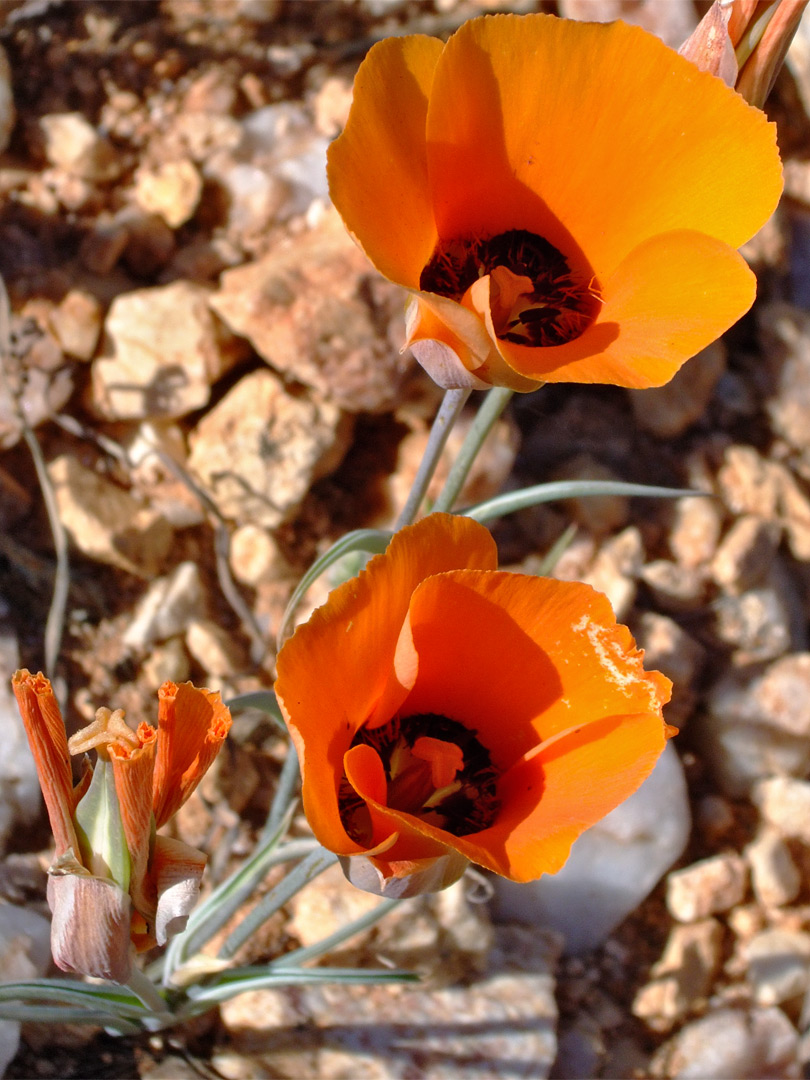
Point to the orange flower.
(113, 882)
(445, 712)
(562, 199)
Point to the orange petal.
(455, 343)
(670, 298)
(133, 771)
(594, 136)
(549, 800)
(339, 667)
(414, 843)
(192, 726)
(46, 737)
(377, 168)
(519, 659)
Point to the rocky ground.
(210, 373)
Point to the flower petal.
(90, 925)
(519, 659)
(133, 771)
(192, 726)
(455, 343)
(374, 875)
(671, 297)
(551, 798)
(45, 729)
(177, 870)
(377, 168)
(337, 668)
(594, 136)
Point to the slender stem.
(146, 992)
(492, 407)
(449, 411)
(285, 792)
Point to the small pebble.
(706, 887)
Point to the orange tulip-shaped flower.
(564, 200)
(114, 883)
(445, 712)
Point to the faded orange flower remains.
(114, 884)
(446, 712)
(562, 199)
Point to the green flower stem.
(449, 412)
(285, 793)
(492, 407)
(147, 993)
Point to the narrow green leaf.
(374, 541)
(315, 863)
(212, 914)
(264, 700)
(511, 501)
(356, 926)
(241, 980)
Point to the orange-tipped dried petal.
(192, 726)
(133, 770)
(46, 737)
(338, 670)
(90, 925)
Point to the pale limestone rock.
(681, 980)
(706, 887)
(164, 349)
(105, 522)
(167, 607)
(784, 803)
(756, 623)
(676, 588)
(667, 411)
(748, 483)
(615, 569)
(76, 322)
(302, 308)
(258, 451)
(212, 648)
(167, 662)
(73, 144)
(744, 557)
(255, 557)
(172, 190)
(731, 1044)
(778, 965)
(668, 648)
(695, 530)
(155, 448)
(775, 878)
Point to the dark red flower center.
(539, 301)
(436, 769)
